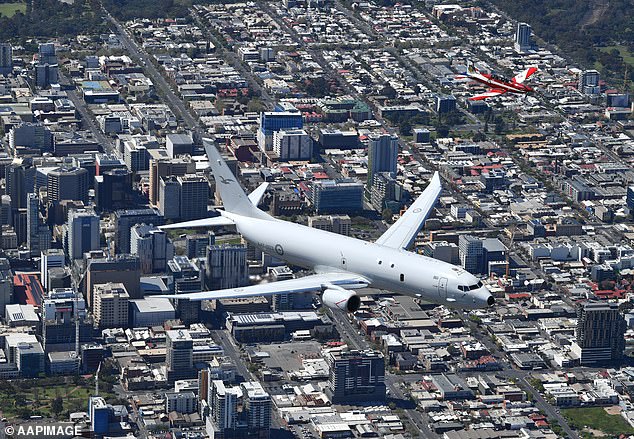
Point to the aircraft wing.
(315, 282)
(216, 221)
(524, 75)
(489, 94)
(404, 231)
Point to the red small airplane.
(498, 85)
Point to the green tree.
(387, 215)
(57, 406)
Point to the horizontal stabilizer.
(256, 196)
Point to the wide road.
(162, 87)
(87, 118)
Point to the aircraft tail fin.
(524, 75)
(234, 199)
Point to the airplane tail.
(524, 75)
(234, 199)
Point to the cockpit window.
(470, 287)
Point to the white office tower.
(292, 145)
(152, 247)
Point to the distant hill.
(596, 33)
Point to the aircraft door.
(442, 287)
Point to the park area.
(54, 397)
(10, 9)
(596, 422)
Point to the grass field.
(596, 418)
(17, 399)
(10, 9)
(628, 56)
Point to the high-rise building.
(6, 285)
(196, 245)
(223, 403)
(337, 196)
(356, 377)
(471, 253)
(257, 407)
(386, 192)
(272, 121)
(445, 104)
(67, 183)
(31, 136)
(169, 194)
(382, 155)
(187, 279)
(523, 39)
(38, 233)
(46, 69)
(194, 197)
(589, 82)
(630, 199)
(111, 305)
(136, 157)
(20, 180)
(600, 333)
(125, 219)
(179, 357)
(113, 189)
(179, 144)
(152, 247)
(6, 58)
(99, 416)
(47, 53)
(60, 308)
(103, 269)
(443, 251)
(46, 75)
(162, 166)
(339, 224)
(50, 258)
(227, 266)
(107, 162)
(82, 234)
(292, 145)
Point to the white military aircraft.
(341, 264)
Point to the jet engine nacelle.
(342, 299)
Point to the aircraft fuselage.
(393, 270)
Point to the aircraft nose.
(483, 297)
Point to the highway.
(162, 87)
